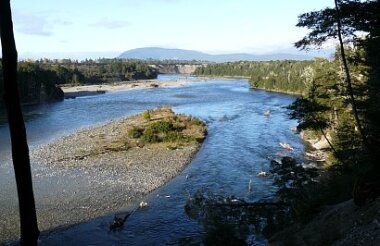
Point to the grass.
(160, 128)
(164, 126)
(146, 115)
(135, 132)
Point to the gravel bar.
(74, 184)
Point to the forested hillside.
(38, 80)
(342, 104)
(283, 76)
(97, 71)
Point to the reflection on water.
(240, 143)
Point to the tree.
(354, 23)
(328, 24)
(20, 151)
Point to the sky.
(92, 28)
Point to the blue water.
(240, 143)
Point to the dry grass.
(184, 130)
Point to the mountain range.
(157, 53)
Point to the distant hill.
(157, 53)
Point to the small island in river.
(117, 164)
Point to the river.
(240, 143)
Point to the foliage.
(135, 132)
(166, 130)
(97, 71)
(41, 77)
(164, 126)
(149, 136)
(163, 131)
(346, 106)
(35, 84)
(197, 121)
(351, 148)
(146, 115)
(355, 16)
(285, 76)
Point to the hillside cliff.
(176, 68)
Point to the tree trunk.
(349, 82)
(20, 151)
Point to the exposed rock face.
(320, 146)
(187, 69)
(176, 68)
(319, 143)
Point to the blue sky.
(79, 28)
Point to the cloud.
(33, 24)
(110, 24)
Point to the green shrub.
(172, 137)
(149, 136)
(146, 115)
(161, 126)
(168, 130)
(197, 121)
(135, 132)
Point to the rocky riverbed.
(101, 170)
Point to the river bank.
(207, 77)
(90, 90)
(279, 91)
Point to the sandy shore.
(89, 90)
(75, 180)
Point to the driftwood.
(118, 222)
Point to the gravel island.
(102, 170)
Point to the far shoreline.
(71, 92)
